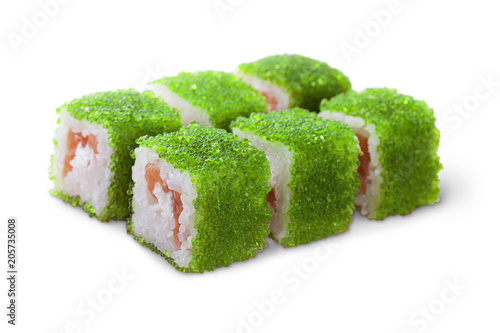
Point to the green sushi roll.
(313, 173)
(91, 164)
(292, 80)
(209, 98)
(399, 165)
(199, 198)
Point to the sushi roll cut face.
(210, 98)
(313, 181)
(291, 80)
(399, 164)
(91, 162)
(199, 198)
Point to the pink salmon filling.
(153, 177)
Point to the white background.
(379, 275)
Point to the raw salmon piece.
(271, 101)
(153, 177)
(364, 163)
(271, 199)
(73, 140)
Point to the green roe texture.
(408, 146)
(307, 81)
(126, 115)
(231, 180)
(324, 181)
(223, 96)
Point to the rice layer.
(153, 218)
(188, 112)
(367, 201)
(280, 159)
(90, 176)
(276, 97)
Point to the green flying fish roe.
(307, 81)
(408, 146)
(126, 115)
(223, 96)
(231, 180)
(324, 181)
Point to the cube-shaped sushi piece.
(313, 173)
(210, 98)
(399, 140)
(91, 164)
(291, 80)
(199, 198)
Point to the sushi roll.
(210, 98)
(91, 164)
(291, 80)
(399, 141)
(313, 181)
(199, 198)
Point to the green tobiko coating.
(126, 115)
(324, 181)
(408, 146)
(231, 180)
(223, 96)
(307, 81)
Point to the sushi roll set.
(206, 165)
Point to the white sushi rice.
(90, 177)
(367, 202)
(270, 89)
(153, 218)
(188, 112)
(280, 159)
